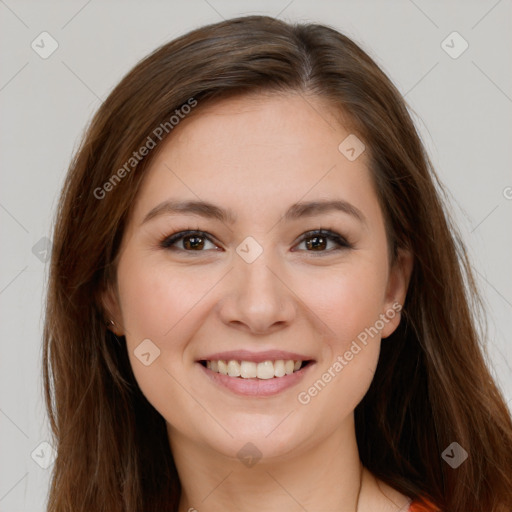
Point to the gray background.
(462, 106)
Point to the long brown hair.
(431, 387)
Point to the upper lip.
(257, 357)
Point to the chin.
(265, 438)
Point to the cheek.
(340, 384)
(348, 300)
(161, 304)
(349, 303)
(156, 298)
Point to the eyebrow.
(209, 210)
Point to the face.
(222, 260)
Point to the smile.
(252, 370)
(255, 379)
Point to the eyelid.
(341, 241)
(168, 241)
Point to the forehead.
(260, 128)
(258, 150)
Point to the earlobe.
(112, 312)
(396, 292)
(112, 326)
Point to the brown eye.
(191, 241)
(318, 241)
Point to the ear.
(396, 291)
(112, 310)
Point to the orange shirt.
(422, 505)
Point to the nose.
(257, 298)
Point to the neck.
(325, 476)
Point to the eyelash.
(343, 244)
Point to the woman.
(256, 298)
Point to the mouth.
(255, 375)
(264, 370)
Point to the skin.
(257, 155)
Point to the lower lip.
(257, 387)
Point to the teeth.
(233, 369)
(223, 367)
(265, 370)
(248, 370)
(252, 370)
(279, 368)
(288, 367)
